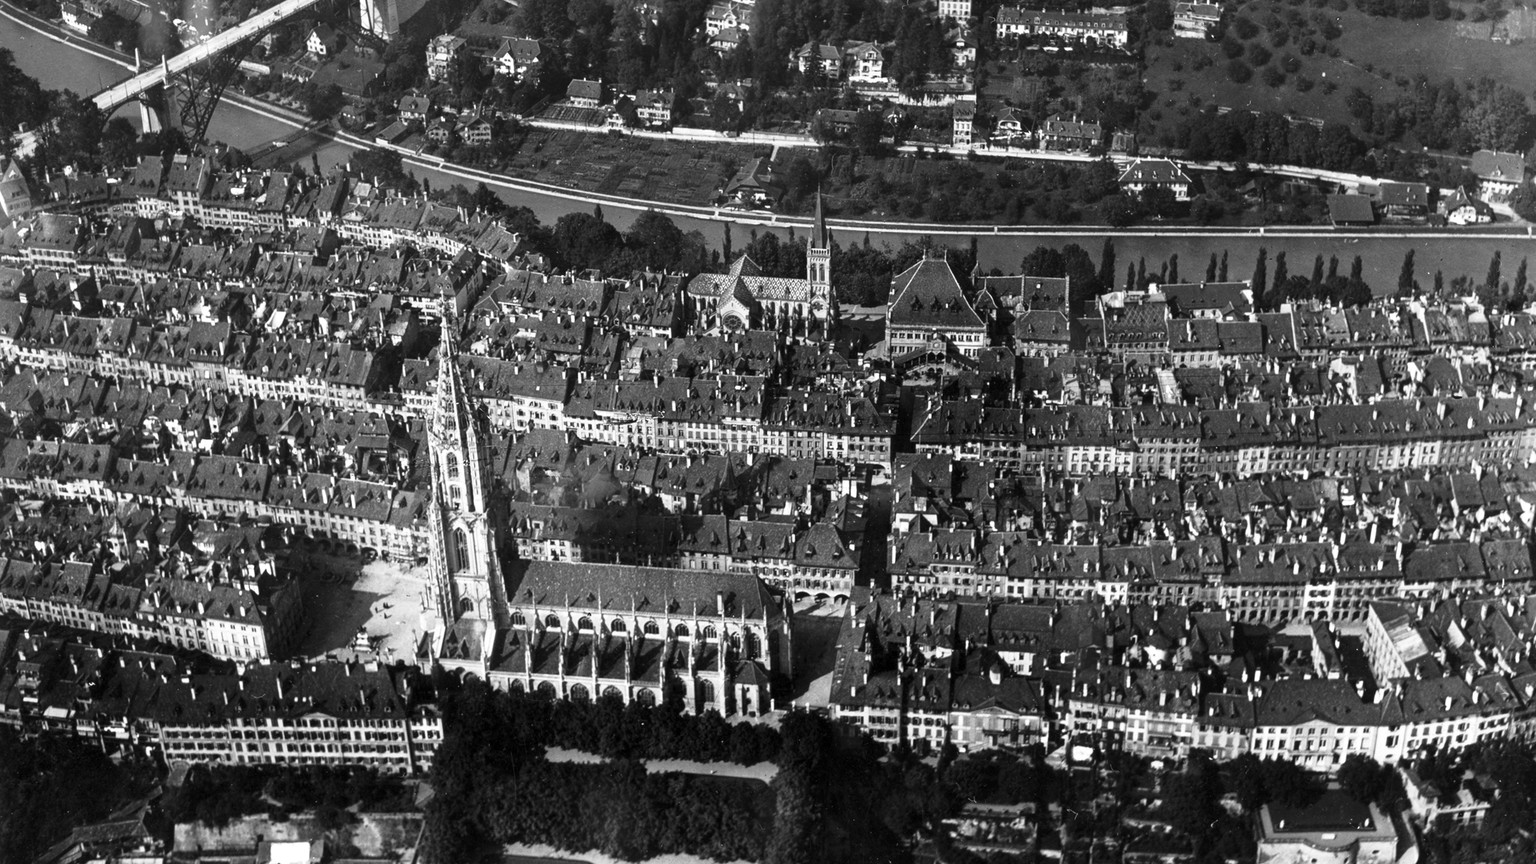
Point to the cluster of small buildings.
(149, 572)
(1160, 680)
(797, 524)
(1007, 126)
(1498, 176)
(416, 117)
(1261, 548)
(675, 461)
(1411, 204)
(728, 23)
(56, 680)
(862, 64)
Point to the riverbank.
(249, 124)
(50, 30)
(520, 186)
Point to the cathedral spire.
(819, 237)
(452, 425)
(818, 268)
(464, 536)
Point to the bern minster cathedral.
(711, 640)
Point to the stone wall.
(374, 835)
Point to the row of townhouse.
(1192, 326)
(223, 620)
(207, 587)
(670, 414)
(1143, 323)
(939, 491)
(1288, 581)
(1251, 438)
(1010, 675)
(141, 420)
(209, 356)
(258, 202)
(359, 212)
(290, 714)
(1304, 353)
(1316, 723)
(358, 513)
(1107, 29)
(674, 414)
(305, 282)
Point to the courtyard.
(815, 630)
(388, 603)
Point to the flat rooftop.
(1334, 812)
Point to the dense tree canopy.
(49, 785)
(25, 101)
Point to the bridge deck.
(110, 98)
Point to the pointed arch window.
(453, 466)
(461, 548)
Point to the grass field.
(1380, 56)
(1182, 90)
(1433, 48)
(667, 171)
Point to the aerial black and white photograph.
(767, 432)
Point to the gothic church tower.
(463, 550)
(818, 268)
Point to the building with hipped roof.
(1335, 828)
(929, 315)
(1192, 20)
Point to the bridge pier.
(149, 118)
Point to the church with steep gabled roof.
(745, 299)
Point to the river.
(1382, 256)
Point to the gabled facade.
(929, 313)
(1144, 174)
(1192, 20)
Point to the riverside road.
(250, 125)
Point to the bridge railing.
(110, 98)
